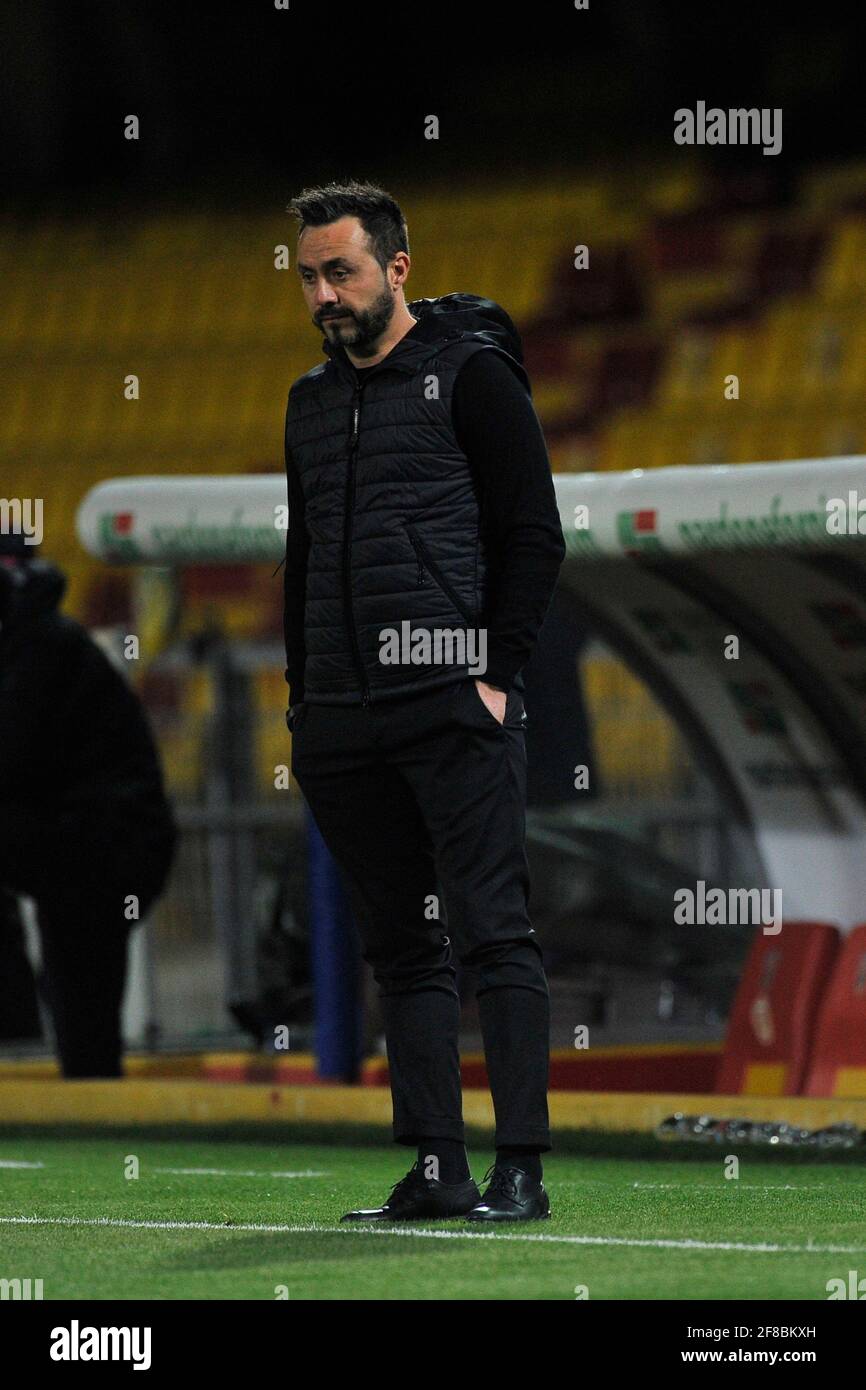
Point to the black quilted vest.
(392, 514)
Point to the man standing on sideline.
(86, 829)
(421, 500)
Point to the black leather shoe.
(512, 1196)
(416, 1198)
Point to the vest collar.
(415, 347)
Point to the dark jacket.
(390, 507)
(81, 791)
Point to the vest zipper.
(347, 548)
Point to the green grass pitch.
(632, 1219)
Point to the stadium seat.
(773, 1019)
(610, 288)
(837, 1066)
(689, 240)
(786, 262)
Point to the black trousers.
(84, 958)
(84, 953)
(415, 797)
(84, 936)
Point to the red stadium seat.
(838, 1063)
(774, 1017)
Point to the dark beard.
(362, 330)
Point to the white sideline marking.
(15, 1163)
(762, 1249)
(741, 1186)
(706, 1186)
(239, 1173)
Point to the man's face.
(345, 288)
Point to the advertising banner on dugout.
(243, 519)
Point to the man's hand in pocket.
(494, 699)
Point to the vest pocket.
(425, 560)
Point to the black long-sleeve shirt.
(499, 432)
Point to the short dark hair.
(378, 213)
